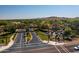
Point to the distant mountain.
(45, 18)
(54, 18)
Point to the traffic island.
(28, 37)
(2, 48)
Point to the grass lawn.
(42, 35)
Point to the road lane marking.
(21, 40)
(63, 49)
(66, 49)
(57, 49)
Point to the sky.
(37, 11)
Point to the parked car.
(76, 47)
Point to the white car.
(76, 47)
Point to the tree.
(67, 32)
(9, 28)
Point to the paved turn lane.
(35, 39)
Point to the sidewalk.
(53, 43)
(2, 48)
(74, 42)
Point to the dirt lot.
(75, 41)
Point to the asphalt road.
(35, 39)
(35, 42)
(36, 46)
(45, 48)
(18, 44)
(52, 49)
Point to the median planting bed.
(28, 36)
(5, 38)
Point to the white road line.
(21, 40)
(57, 49)
(63, 49)
(66, 49)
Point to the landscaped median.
(5, 38)
(10, 43)
(28, 37)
